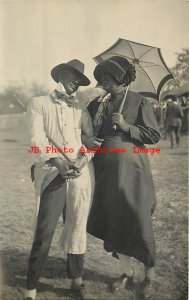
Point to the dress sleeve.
(146, 130)
(37, 135)
(86, 123)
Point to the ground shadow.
(10, 141)
(180, 153)
(14, 268)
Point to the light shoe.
(30, 294)
(122, 283)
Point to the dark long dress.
(124, 197)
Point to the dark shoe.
(79, 290)
(149, 287)
(122, 283)
(28, 298)
(130, 283)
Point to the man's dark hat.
(73, 65)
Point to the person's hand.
(117, 119)
(71, 174)
(97, 141)
(60, 164)
(78, 163)
(65, 168)
(92, 141)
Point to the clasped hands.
(69, 170)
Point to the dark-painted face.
(107, 81)
(70, 81)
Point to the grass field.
(17, 203)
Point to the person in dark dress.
(124, 197)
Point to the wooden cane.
(57, 146)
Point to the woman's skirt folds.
(124, 200)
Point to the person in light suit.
(56, 119)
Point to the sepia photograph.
(94, 104)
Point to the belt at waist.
(121, 136)
(117, 135)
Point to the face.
(108, 82)
(70, 81)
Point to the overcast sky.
(37, 35)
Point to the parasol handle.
(121, 105)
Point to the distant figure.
(185, 110)
(164, 128)
(157, 113)
(174, 117)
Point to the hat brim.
(84, 81)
